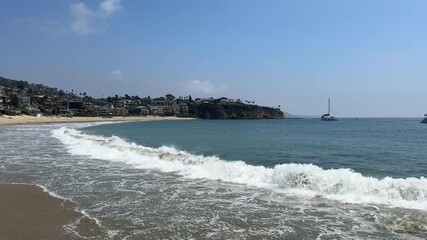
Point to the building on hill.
(183, 109)
(3, 105)
(105, 110)
(24, 101)
(227, 100)
(75, 105)
(143, 110)
(2, 92)
(156, 110)
(119, 111)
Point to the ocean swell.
(303, 179)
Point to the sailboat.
(425, 119)
(328, 116)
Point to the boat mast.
(329, 106)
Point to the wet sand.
(25, 119)
(27, 212)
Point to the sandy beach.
(25, 119)
(27, 212)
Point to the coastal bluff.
(233, 111)
(19, 97)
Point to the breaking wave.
(344, 185)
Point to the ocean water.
(231, 179)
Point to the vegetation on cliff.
(233, 111)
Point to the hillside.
(13, 83)
(17, 97)
(233, 111)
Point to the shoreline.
(29, 212)
(25, 119)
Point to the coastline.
(29, 212)
(25, 119)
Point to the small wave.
(344, 185)
(96, 220)
(46, 190)
(53, 194)
(85, 227)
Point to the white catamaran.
(328, 116)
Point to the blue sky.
(370, 57)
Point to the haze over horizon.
(368, 56)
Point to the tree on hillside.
(21, 85)
(170, 97)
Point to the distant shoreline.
(25, 119)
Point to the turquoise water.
(230, 179)
(373, 147)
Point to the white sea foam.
(96, 220)
(52, 193)
(46, 190)
(303, 179)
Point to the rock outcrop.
(233, 111)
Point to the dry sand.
(25, 119)
(27, 212)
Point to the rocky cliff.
(233, 111)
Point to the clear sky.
(369, 56)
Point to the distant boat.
(328, 116)
(425, 119)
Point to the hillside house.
(119, 111)
(183, 109)
(156, 110)
(105, 110)
(24, 101)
